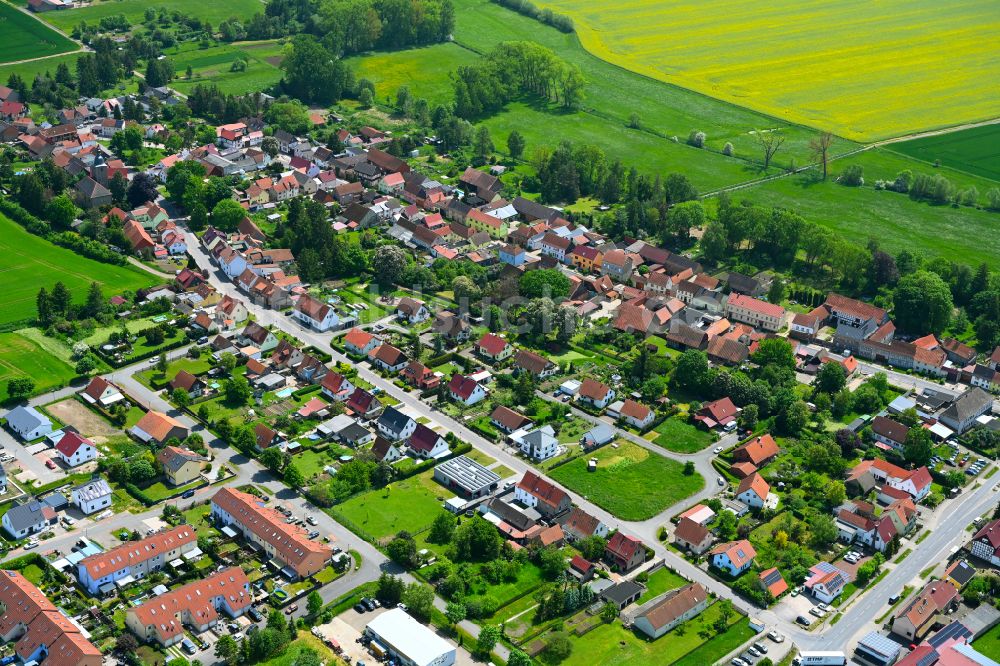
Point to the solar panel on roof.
(954, 630)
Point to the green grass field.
(410, 505)
(21, 357)
(212, 65)
(859, 213)
(134, 11)
(29, 70)
(860, 69)
(33, 262)
(975, 150)
(23, 37)
(988, 644)
(680, 437)
(660, 581)
(630, 482)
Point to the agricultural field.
(975, 150)
(24, 37)
(653, 482)
(33, 262)
(957, 233)
(895, 71)
(425, 69)
(213, 65)
(22, 357)
(134, 11)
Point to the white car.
(824, 607)
(721, 481)
(775, 636)
(717, 449)
(31, 544)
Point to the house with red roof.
(101, 392)
(916, 483)
(535, 492)
(771, 581)
(336, 386)
(636, 414)
(418, 375)
(466, 390)
(427, 444)
(494, 347)
(595, 393)
(734, 557)
(757, 313)
(360, 342)
(624, 552)
(717, 414)
(75, 450)
(986, 543)
(363, 404)
(691, 536)
(758, 451)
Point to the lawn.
(975, 150)
(988, 644)
(162, 490)
(213, 65)
(32, 262)
(680, 437)
(960, 234)
(613, 644)
(197, 517)
(154, 378)
(22, 357)
(409, 505)
(860, 69)
(29, 70)
(24, 37)
(630, 482)
(424, 69)
(134, 10)
(660, 581)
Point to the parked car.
(313, 534)
(360, 608)
(50, 464)
(894, 598)
(738, 662)
(255, 614)
(804, 621)
(760, 647)
(816, 611)
(291, 609)
(753, 652)
(31, 544)
(824, 607)
(188, 494)
(311, 520)
(775, 636)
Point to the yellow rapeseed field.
(864, 69)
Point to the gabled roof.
(623, 546)
(690, 532)
(635, 410)
(530, 361)
(158, 425)
(462, 386)
(890, 429)
(581, 522)
(70, 443)
(593, 389)
(423, 439)
(739, 552)
(759, 449)
(674, 605)
(132, 553)
(358, 338)
(541, 489)
(508, 418)
(492, 344)
(772, 581)
(756, 483)
(173, 457)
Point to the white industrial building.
(409, 642)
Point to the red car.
(50, 464)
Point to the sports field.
(21, 357)
(864, 70)
(975, 150)
(134, 11)
(31, 262)
(23, 37)
(213, 65)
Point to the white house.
(636, 414)
(734, 557)
(395, 425)
(540, 443)
(315, 314)
(75, 450)
(412, 310)
(753, 491)
(28, 423)
(466, 390)
(30, 518)
(595, 393)
(92, 496)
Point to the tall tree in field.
(820, 148)
(515, 144)
(769, 142)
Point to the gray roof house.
(962, 414)
(29, 518)
(394, 424)
(28, 423)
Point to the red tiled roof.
(132, 553)
(70, 442)
(544, 491)
(492, 344)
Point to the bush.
(727, 149)
(853, 176)
(697, 139)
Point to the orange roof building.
(41, 631)
(196, 604)
(288, 544)
(135, 558)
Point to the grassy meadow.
(653, 482)
(424, 69)
(33, 262)
(23, 37)
(958, 233)
(975, 150)
(860, 69)
(134, 11)
(212, 65)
